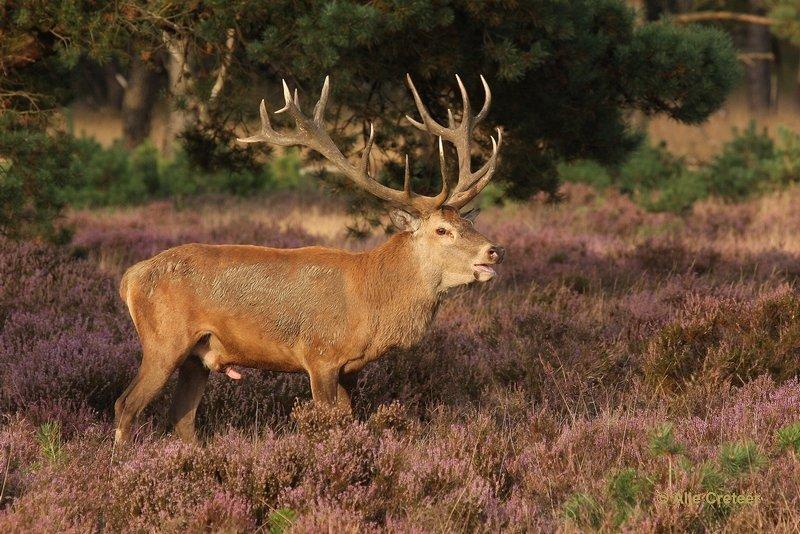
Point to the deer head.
(442, 237)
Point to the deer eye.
(441, 231)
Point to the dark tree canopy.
(565, 73)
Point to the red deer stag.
(200, 308)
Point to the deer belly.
(220, 355)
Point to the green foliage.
(787, 13)
(628, 488)
(563, 73)
(48, 435)
(788, 437)
(749, 164)
(281, 520)
(286, 171)
(34, 167)
(785, 166)
(711, 478)
(744, 165)
(649, 168)
(677, 195)
(586, 172)
(686, 72)
(42, 173)
(117, 176)
(663, 442)
(583, 510)
(741, 457)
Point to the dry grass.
(325, 220)
(701, 142)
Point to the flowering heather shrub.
(620, 355)
(729, 342)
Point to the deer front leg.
(324, 384)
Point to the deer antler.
(311, 133)
(469, 183)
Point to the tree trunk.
(797, 87)
(759, 75)
(114, 91)
(137, 103)
(181, 108)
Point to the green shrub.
(583, 510)
(749, 164)
(785, 168)
(744, 167)
(34, 169)
(741, 457)
(117, 176)
(586, 172)
(48, 435)
(627, 489)
(678, 195)
(711, 478)
(663, 442)
(144, 169)
(103, 176)
(286, 170)
(649, 168)
(281, 520)
(788, 437)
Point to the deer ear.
(405, 221)
(471, 215)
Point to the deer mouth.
(483, 272)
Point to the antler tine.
(287, 97)
(292, 105)
(451, 122)
(267, 134)
(491, 162)
(443, 167)
(364, 167)
(319, 109)
(479, 179)
(262, 111)
(466, 118)
(407, 179)
(487, 101)
(428, 124)
(441, 198)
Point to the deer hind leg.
(151, 378)
(192, 379)
(345, 388)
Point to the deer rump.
(245, 305)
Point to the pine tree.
(564, 73)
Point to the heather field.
(621, 361)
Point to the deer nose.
(497, 253)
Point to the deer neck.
(401, 268)
(403, 293)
